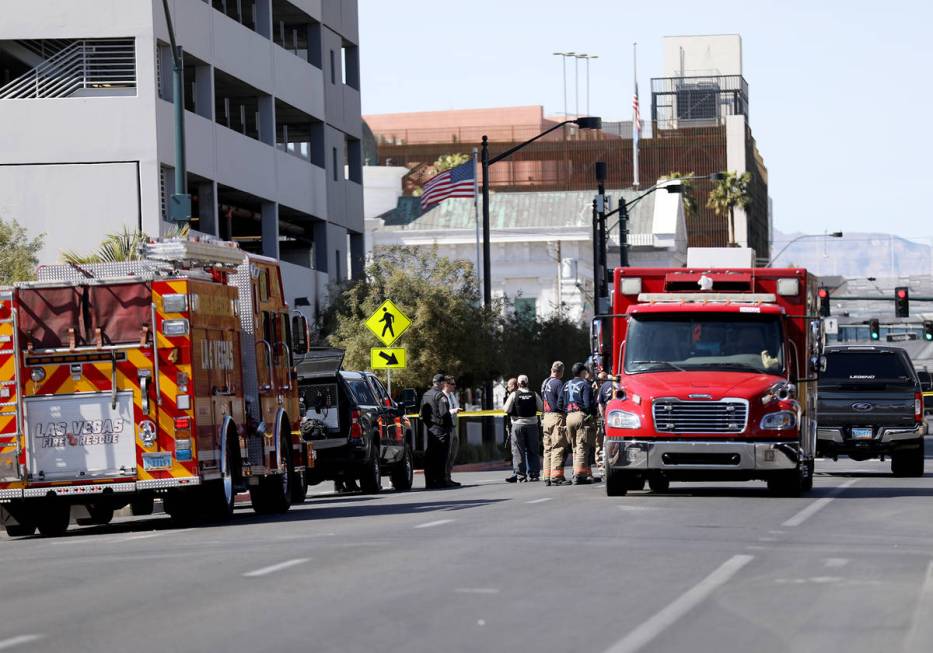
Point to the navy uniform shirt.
(605, 392)
(550, 394)
(577, 395)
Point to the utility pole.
(179, 206)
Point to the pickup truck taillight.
(356, 429)
(918, 407)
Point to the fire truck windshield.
(685, 342)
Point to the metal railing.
(45, 48)
(95, 64)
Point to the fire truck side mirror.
(596, 338)
(301, 334)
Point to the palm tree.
(688, 198)
(115, 248)
(730, 192)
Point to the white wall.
(382, 186)
(717, 54)
(73, 205)
(735, 160)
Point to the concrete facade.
(272, 123)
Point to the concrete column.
(204, 89)
(267, 119)
(315, 45)
(264, 18)
(320, 247)
(270, 229)
(207, 208)
(736, 161)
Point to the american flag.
(636, 116)
(456, 182)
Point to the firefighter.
(603, 395)
(435, 413)
(555, 438)
(576, 401)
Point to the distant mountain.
(857, 254)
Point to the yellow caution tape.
(475, 413)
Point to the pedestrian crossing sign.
(388, 323)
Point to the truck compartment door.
(10, 419)
(83, 437)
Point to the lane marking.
(434, 523)
(836, 563)
(146, 536)
(818, 505)
(487, 481)
(274, 568)
(476, 590)
(18, 641)
(661, 621)
(918, 637)
(541, 500)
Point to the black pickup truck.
(870, 406)
(357, 431)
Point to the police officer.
(555, 438)
(435, 412)
(576, 401)
(522, 407)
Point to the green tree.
(529, 344)
(688, 197)
(18, 252)
(730, 192)
(450, 331)
(448, 161)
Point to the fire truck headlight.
(147, 433)
(37, 374)
(175, 327)
(622, 419)
(782, 420)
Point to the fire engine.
(716, 371)
(171, 376)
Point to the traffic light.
(902, 301)
(928, 331)
(874, 329)
(823, 294)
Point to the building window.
(335, 164)
(337, 265)
(526, 308)
(333, 68)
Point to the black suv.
(869, 406)
(357, 431)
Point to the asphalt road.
(499, 567)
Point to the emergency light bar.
(178, 250)
(707, 298)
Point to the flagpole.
(478, 269)
(636, 128)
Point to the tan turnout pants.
(555, 446)
(582, 436)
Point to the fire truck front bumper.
(694, 457)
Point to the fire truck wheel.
(299, 485)
(807, 484)
(403, 473)
(53, 518)
(616, 483)
(273, 495)
(142, 505)
(659, 484)
(371, 478)
(99, 515)
(26, 525)
(786, 484)
(180, 506)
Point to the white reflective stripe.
(712, 297)
(70, 490)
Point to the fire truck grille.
(675, 416)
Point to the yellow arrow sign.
(388, 322)
(387, 358)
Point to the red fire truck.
(716, 377)
(172, 376)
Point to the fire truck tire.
(100, 515)
(789, 484)
(143, 505)
(26, 525)
(219, 496)
(908, 462)
(403, 473)
(53, 518)
(659, 484)
(273, 495)
(181, 506)
(299, 485)
(617, 483)
(371, 476)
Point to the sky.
(840, 96)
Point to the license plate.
(154, 461)
(861, 433)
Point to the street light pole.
(563, 58)
(487, 266)
(179, 208)
(834, 234)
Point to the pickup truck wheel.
(403, 474)
(908, 463)
(659, 484)
(371, 479)
(53, 519)
(617, 484)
